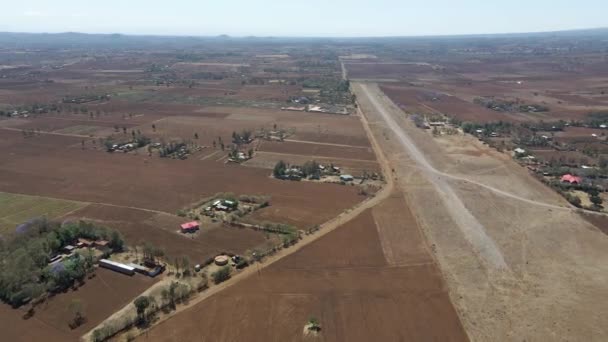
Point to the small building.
(230, 204)
(139, 269)
(568, 178)
(116, 266)
(84, 242)
(189, 227)
(68, 249)
(519, 150)
(347, 178)
(101, 244)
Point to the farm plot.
(161, 230)
(451, 106)
(99, 297)
(321, 150)
(353, 292)
(16, 209)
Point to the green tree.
(78, 316)
(596, 200)
(221, 275)
(313, 324)
(141, 305)
(116, 242)
(279, 169)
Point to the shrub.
(221, 275)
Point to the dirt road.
(472, 229)
(554, 272)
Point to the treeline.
(25, 273)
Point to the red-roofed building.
(189, 227)
(568, 178)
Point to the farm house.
(189, 227)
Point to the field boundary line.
(326, 144)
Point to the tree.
(250, 153)
(596, 200)
(195, 135)
(116, 242)
(153, 127)
(141, 305)
(310, 168)
(78, 315)
(221, 275)
(279, 169)
(313, 324)
(124, 130)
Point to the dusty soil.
(142, 181)
(288, 147)
(552, 274)
(339, 286)
(107, 292)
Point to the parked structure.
(116, 266)
(347, 178)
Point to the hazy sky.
(301, 18)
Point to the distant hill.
(118, 40)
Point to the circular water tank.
(221, 260)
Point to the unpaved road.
(419, 157)
(472, 229)
(556, 275)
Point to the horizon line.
(227, 36)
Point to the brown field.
(307, 149)
(356, 294)
(147, 177)
(445, 104)
(572, 157)
(387, 70)
(100, 296)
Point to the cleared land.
(523, 229)
(16, 209)
(354, 292)
(100, 296)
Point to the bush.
(242, 263)
(221, 275)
